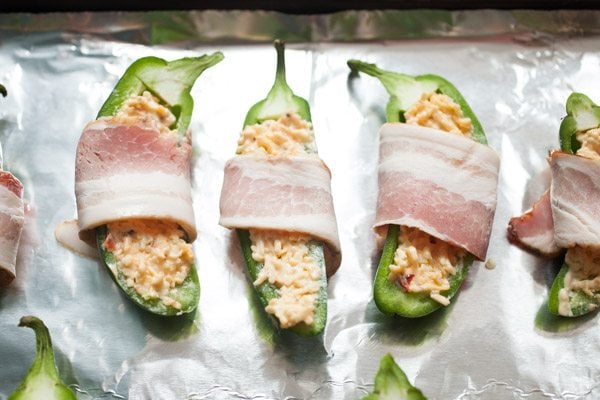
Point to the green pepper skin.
(279, 101)
(391, 383)
(404, 90)
(42, 381)
(582, 114)
(171, 82)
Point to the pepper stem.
(361, 66)
(280, 72)
(44, 356)
(392, 81)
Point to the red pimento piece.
(405, 281)
(109, 243)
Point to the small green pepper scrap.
(404, 91)
(582, 114)
(170, 82)
(279, 101)
(42, 381)
(391, 383)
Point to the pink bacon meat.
(125, 172)
(534, 230)
(440, 183)
(575, 199)
(11, 224)
(290, 194)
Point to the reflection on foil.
(495, 340)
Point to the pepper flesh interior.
(584, 261)
(152, 255)
(287, 263)
(423, 263)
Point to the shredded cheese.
(490, 264)
(289, 266)
(152, 255)
(439, 111)
(147, 112)
(289, 135)
(423, 263)
(584, 263)
(590, 144)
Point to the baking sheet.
(495, 341)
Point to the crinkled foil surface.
(496, 340)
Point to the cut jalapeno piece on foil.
(42, 381)
(391, 383)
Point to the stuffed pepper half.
(276, 193)
(133, 188)
(437, 192)
(567, 216)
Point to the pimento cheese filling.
(286, 259)
(287, 136)
(289, 266)
(584, 262)
(147, 112)
(423, 263)
(590, 144)
(439, 111)
(152, 255)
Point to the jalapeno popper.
(133, 188)
(437, 192)
(567, 216)
(276, 193)
(11, 220)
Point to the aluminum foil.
(495, 341)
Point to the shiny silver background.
(495, 341)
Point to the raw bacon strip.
(11, 224)
(575, 198)
(125, 172)
(440, 183)
(288, 194)
(534, 230)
